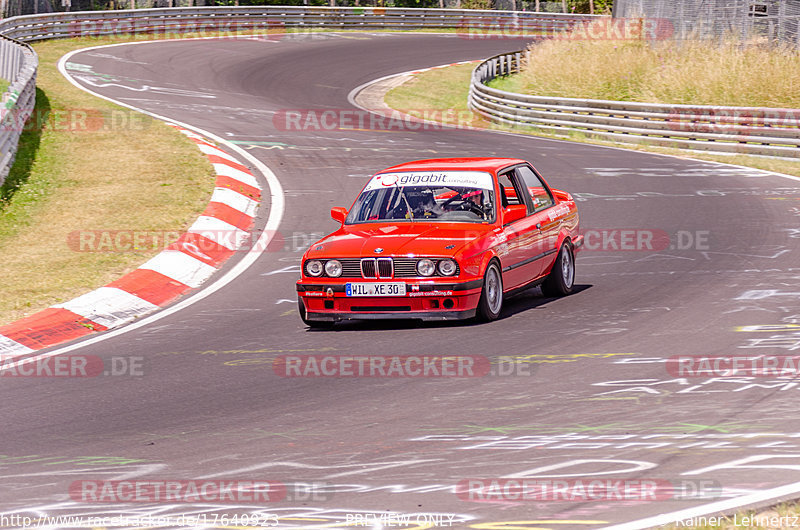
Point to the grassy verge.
(446, 89)
(86, 164)
(692, 73)
(442, 88)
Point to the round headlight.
(314, 267)
(447, 267)
(426, 267)
(333, 268)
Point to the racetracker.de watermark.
(644, 240)
(203, 242)
(584, 490)
(402, 366)
(327, 120)
(195, 242)
(67, 366)
(227, 27)
(607, 29)
(77, 120)
(733, 366)
(741, 122)
(245, 491)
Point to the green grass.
(434, 89)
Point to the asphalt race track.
(597, 400)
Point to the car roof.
(456, 164)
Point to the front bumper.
(327, 301)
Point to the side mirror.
(339, 214)
(515, 212)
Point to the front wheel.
(561, 279)
(313, 324)
(491, 301)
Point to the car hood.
(420, 239)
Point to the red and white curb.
(218, 232)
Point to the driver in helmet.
(475, 197)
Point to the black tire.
(491, 302)
(313, 324)
(561, 280)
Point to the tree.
(584, 6)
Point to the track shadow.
(532, 298)
(519, 303)
(27, 150)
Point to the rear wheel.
(561, 279)
(313, 324)
(491, 301)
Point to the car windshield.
(449, 196)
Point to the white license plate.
(375, 289)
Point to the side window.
(508, 193)
(540, 195)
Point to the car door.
(547, 226)
(521, 236)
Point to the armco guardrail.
(18, 63)
(471, 23)
(746, 130)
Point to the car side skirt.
(530, 260)
(522, 288)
